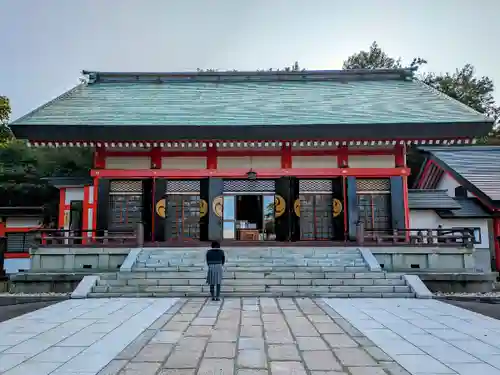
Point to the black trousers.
(215, 290)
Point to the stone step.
(273, 268)
(290, 289)
(244, 282)
(252, 275)
(252, 294)
(347, 269)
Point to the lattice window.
(125, 211)
(20, 242)
(317, 186)
(125, 187)
(316, 217)
(183, 213)
(375, 211)
(244, 186)
(373, 184)
(183, 186)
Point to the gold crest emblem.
(203, 207)
(336, 207)
(218, 205)
(160, 208)
(296, 207)
(279, 205)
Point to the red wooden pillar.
(286, 156)
(343, 157)
(496, 235)
(85, 209)
(212, 157)
(62, 207)
(99, 163)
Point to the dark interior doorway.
(76, 220)
(249, 209)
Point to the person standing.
(215, 260)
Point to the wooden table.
(249, 234)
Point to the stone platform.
(260, 271)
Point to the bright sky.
(46, 43)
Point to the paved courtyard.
(250, 336)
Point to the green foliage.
(376, 58)
(5, 111)
(20, 177)
(462, 85)
(295, 67)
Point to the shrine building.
(246, 156)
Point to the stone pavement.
(250, 336)
(427, 336)
(75, 336)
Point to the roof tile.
(431, 200)
(304, 98)
(480, 165)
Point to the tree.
(5, 133)
(295, 67)
(462, 85)
(376, 58)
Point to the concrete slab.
(426, 336)
(75, 336)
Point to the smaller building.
(459, 187)
(16, 223)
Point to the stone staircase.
(273, 271)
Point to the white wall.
(132, 162)
(314, 161)
(256, 162)
(449, 184)
(372, 161)
(184, 162)
(13, 265)
(73, 194)
(428, 219)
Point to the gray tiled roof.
(380, 96)
(469, 209)
(431, 200)
(479, 165)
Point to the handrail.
(422, 236)
(88, 237)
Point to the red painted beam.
(423, 176)
(342, 150)
(286, 156)
(242, 173)
(16, 255)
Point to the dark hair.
(215, 245)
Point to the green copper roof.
(251, 98)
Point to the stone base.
(459, 282)
(44, 283)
